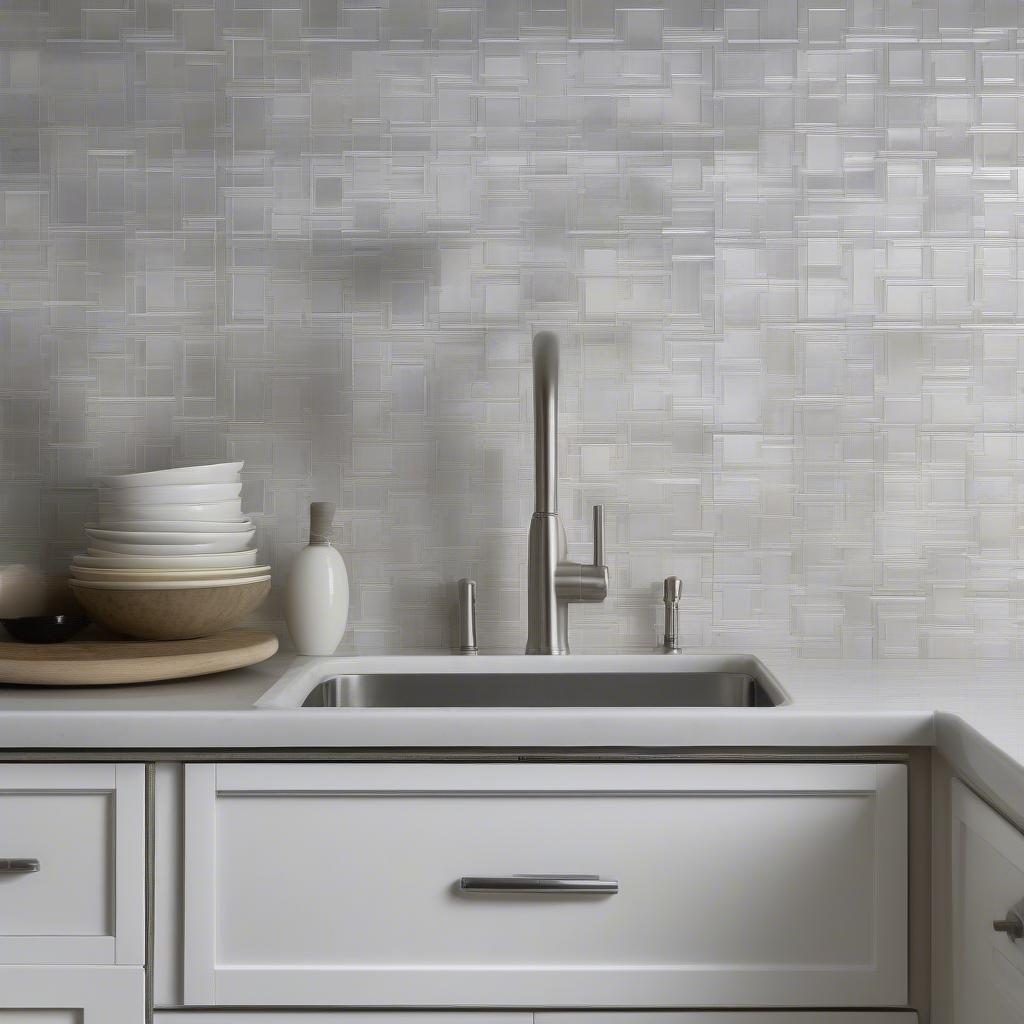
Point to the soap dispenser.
(316, 596)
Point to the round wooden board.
(112, 662)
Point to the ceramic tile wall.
(780, 240)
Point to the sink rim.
(290, 691)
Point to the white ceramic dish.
(113, 540)
(154, 575)
(176, 494)
(171, 526)
(227, 542)
(220, 473)
(220, 512)
(173, 585)
(94, 559)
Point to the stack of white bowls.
(168, 531)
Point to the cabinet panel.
(340, 1017)
(72, 995)
(321, 884)
(40, 1017)
(76, 892)
(597, 1017)
(988, 879)
(734, 1017)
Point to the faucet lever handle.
(599, 535)
(577, 581)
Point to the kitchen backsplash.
(780, 241)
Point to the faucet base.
(548, 619)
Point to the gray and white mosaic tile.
(781, 242)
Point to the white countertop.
(973, 711)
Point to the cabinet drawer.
(520, 1017)
(736, 885)
(988, 879)
(72, 995)
(345, 1017)
(72, 843)
(735, 1017)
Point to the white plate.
(177, 494)
(220, 511)
(220, 473)
(177, 585)
(170, 526)
(154, 575)
(227, 542)
(116, 540)
(94, 559)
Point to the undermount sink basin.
(544, 690)
(515, 683)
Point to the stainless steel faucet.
(467, 617)
(673, 592)
(553, 582)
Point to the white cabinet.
(737, 1017)
(72, 995)
(72, 893)
(72, 878)
(40, 1016)
(342, 1017)
(737, 885)
(988, 880)
(522, 1017)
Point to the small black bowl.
(45, 629)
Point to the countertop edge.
(973, 718)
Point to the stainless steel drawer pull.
(545, 885)
(1012, 925)
(18, 865)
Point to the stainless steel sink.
(587, 689)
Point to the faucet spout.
(545, 422)
(553, 582)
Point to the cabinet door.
(597, 1017)
(388, 885)
(72, 857)
(737, 1017)
(340, 1017)
(988, 880)
(72, 995)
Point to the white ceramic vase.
(316, 596)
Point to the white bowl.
(171, 526)
(220, 473)
(115, 540)
(165, 585)
(175, 494)
(94, 559)
(155, 575)
(220, 511)
(228, 542)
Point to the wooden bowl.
(171, 614)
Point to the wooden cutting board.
(111, 662)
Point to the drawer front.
(72, 845)
(737, 885)
(520, 1017)
(40, 1017)
(72, 995)
(988, 879)
(340, 1017)
(736, 1017)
